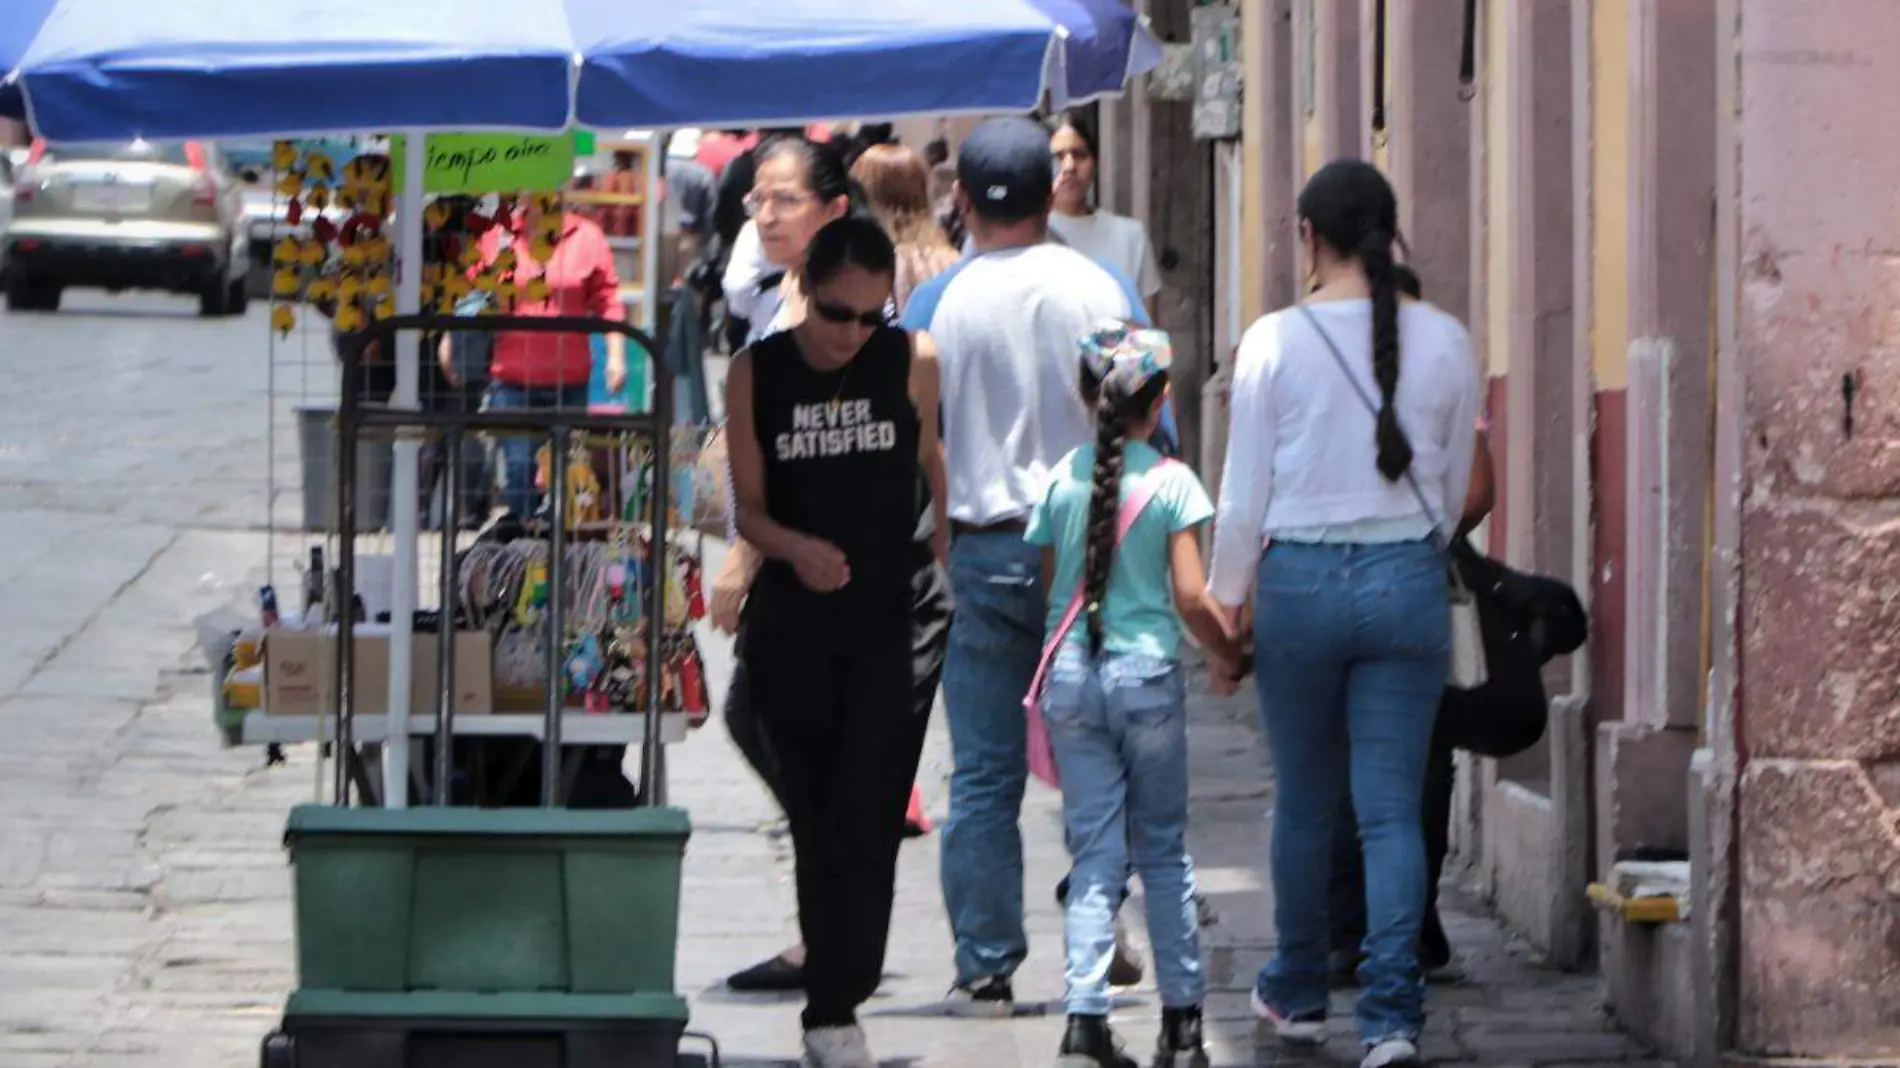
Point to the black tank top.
(841, 446)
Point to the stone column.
(1815, 344)
(1428, 150)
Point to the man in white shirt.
(1005, 323)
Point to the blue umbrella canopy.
(110, 69)
(755, 62)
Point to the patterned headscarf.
(1124, 358)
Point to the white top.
(1008, 326)
(1117, 240)
(744, 268)
(1301, 452)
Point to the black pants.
(1346, 904)
(835, 682)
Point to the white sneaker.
(838, 1047)
(1391, 1053)
(1307, 1029)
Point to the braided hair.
(1119, 401)
(1351, 207)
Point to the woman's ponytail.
(1375, 255)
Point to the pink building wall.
(1817, 716)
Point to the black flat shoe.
(774, 976)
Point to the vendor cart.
(502, 936)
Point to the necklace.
(838, 393)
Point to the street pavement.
(144, 898)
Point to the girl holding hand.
(1119, 526)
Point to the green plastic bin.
(487, 900)
(329, 1029)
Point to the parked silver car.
(139, 215)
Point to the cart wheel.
(709, 1059)
(280, 1051)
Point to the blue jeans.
(1352, 647)
(517, 450)
(1118, 726)
(995, 643)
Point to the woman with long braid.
(1353, 428)
(1119, 528)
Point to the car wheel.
(237, 296)
(214, 298)
(24, 295)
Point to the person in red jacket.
(538, 371)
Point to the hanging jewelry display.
(609, 582)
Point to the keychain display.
(504, 588)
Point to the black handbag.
(1527, 621)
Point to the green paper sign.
(477, 163)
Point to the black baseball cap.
(1006, 170)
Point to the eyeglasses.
(840, 314)
(779, 199)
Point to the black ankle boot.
(1181, 1044)
(1088, 1043)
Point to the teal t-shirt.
(1138, 611)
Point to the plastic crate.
(487, 900)
(332, 1029)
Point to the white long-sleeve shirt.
(1301, 452)
(744, 268)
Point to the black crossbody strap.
(1365, 397)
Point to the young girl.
(1118, 525)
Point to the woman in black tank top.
(833, 429)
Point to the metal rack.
(354, 421)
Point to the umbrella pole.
(405, 508)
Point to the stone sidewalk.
(144, 903)
(1511, 1010)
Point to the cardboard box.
(299, 670)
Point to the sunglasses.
(839, 313)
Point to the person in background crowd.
(627, 179)
(943, 179)
(867, 136)
(532, 371)
(457, 381)
(836, 620)
(897, 187)
(688, 194)
(1005, 324)
(1345, 460)
(1120, 528)
(730, 220)
(720, 147)
(1347, 908)
(1090, 230)
(687, 191)
(936, 153)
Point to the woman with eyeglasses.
(833, 428)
